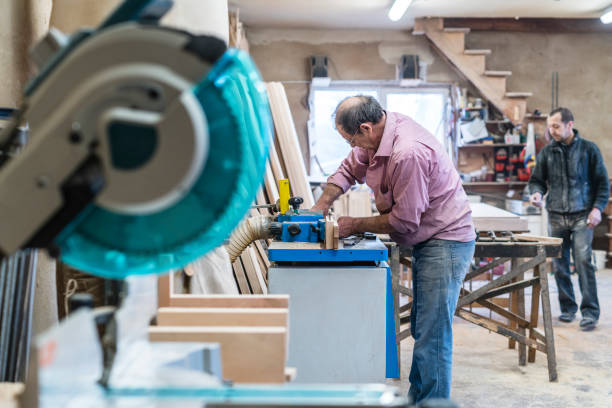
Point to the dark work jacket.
(574, 176)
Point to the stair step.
(457, 30)
(477, 52)
(498, 73)
(518, 94)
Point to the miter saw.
(147, 145)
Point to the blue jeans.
(577, 236)
(438, 270)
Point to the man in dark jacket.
(573, 173)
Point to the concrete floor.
(486, 373)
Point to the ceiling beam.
(532, 25)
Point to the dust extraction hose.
(250, 230)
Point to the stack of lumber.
(251, 330)
(285, 161)
(290, 150)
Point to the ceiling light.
(605, 18)
(398, 9)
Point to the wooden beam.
(535, 303)
(533, 25)
(405, 291)
(499, 328)
(500, 310)
(501, 280)
(509, 288)
(405, 308)
(404, 334)
(547, 317)
(485, 268)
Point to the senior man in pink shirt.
(422, 204)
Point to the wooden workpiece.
(248, 354)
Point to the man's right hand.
(330, 193)
(536, 200)
(320, 206)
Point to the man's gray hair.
(365, 109)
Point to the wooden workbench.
(525, 253)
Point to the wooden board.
(262, 253)
(250, 270)
(241, 280)
(196, 316)
(248, 354)
(259, 268)
(489, 218)
(271, 185)
(329, 232)
(275, 163)
(262, 259)
(289, 143)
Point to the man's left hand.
(346, 226)
(594, 218)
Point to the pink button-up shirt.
(414, 180)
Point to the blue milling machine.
(337, 289)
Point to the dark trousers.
(579, 238)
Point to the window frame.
(383, 89)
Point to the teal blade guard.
(113, 245)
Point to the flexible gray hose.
(250, 230)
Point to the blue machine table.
(341, 320)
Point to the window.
(327, 148)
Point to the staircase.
(450, 42)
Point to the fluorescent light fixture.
(398, 9)
(605, 18)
